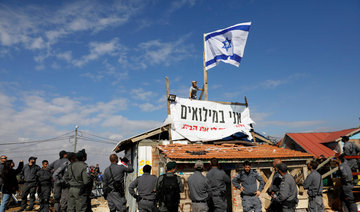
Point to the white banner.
(205, 121)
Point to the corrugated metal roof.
(313, 143)
(227, 152)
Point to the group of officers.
(208, 193)
(72, 185)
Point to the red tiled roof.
(313, 143)
(228, 151)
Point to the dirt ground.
(97, 205)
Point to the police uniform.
(199, 189)
(250, 201)
(313, 183)
(28, 174)
(44, 178)
(351, 149)
(347, 196)
(146, 196)
(116, 197)
(61, 186)
(159, 183)
(218, 179)
(287, 194)
(78, 178)
(274, 189)
(58, 204)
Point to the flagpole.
(205, 76)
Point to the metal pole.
(76, 130)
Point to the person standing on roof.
(168, 188)
(245, 181)
(313, 183)
(218, 180)
(193, 90)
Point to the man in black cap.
(58, 187)
(29, 175)
(114, 188)
(145, 196)
(168, 188)
(78, 179)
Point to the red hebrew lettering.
(213, 128)
(195, 127)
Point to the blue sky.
(102, 65)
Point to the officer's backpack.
(170, 191)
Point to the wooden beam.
(202, 92)
(168, 106)
(330, 172)
(268, 183)
(323, 163)
(149, 134)
(294, 172)
(230, 103)
(262, 174)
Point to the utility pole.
(76, 130)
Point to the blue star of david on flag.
(227, 44)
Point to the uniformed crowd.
(72, 185)
(68, 178)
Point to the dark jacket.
(10, 183)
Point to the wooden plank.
(262, 174)
(323, 163)
(330, 172)
(268, 183)
(294, 172)
(168, 106)
(157, 131)
(202, 92)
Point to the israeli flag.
(226, 45)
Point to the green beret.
(171, 165)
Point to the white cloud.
(41, 27)
(139, 93)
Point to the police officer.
(59, 180)
(114, 184)
(275, 188)
(288, 191)
(44, 177)
(78, 178)
(199, 189)
(245, 181)
(347, 196)
(58, 187)
(168, 188)
(351, 149)
(217, 179)
(28, 174)
(146, 196)
(313, 183)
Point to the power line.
(61, 137)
